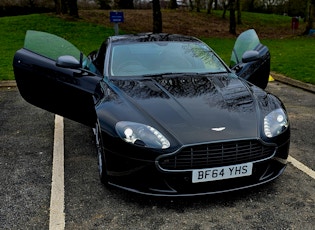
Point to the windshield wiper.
(179, 74)
(170, 74)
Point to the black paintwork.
(256, 72)
(188, 107)
(184, 108)
(59, 90)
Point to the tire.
(100, 155)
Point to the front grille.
(218, 154)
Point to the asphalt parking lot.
(26, 155)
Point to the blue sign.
(116, 17)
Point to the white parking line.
(301, 167)
(57, 215)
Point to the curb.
(275, 76)
(292, 82)
(7, 83)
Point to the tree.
(232, 4)
(215, 4)
(197, 5)
(157, 17)
(209, 6)
(225, 7)
(73, 8)
(172, 4)
(67, 6)
(293, 8)
(251, 6)
(104, 4)
(57, 6)
(191, 5)
(124, 4)
(311, 16)
(64, 6)
(238, 9)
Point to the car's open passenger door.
(250, 59)
(49, 74)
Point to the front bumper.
(180, 185)
(144, 177)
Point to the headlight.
(142, 135)
(275, 123)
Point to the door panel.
(64, 91)
(256, 71)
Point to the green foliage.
(250, 19)
(290, 7)
(87, 37)
(293, 57)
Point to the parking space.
(27, 135)
(300, 105)
(25, 162)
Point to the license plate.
(221, 173)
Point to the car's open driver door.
(250, 59)
(49, 74)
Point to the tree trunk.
(67, 6)
(173, 4)
(64, 6)
(104, 4)
(191, 5)
(157, 17)
(232, 17)
(58, 6)
(73, 8)
(311, 16)
(198, 6)
(251, 6)
(225, 7)
(125, 4)
(238, 8)
(215, 4)
(209, 6)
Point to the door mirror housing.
(250, 55)
(67, 61)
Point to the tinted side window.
(49, 45)
(247, 40)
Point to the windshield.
(155, 58)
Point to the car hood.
(191, 109)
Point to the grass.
(293, 57)
(85, 36)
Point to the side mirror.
(250, 55)
(68, 61)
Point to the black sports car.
(169, 116)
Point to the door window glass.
(247, 40)
(49, 45)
